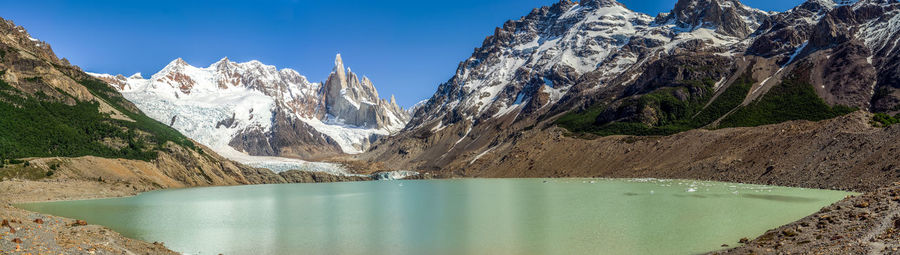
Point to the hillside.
(53, 109)
(60, 123)
(596, 68)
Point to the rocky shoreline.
(864, 224)
(25, 232)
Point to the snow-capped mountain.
(597, 53)
(534, 61)
(250, 108)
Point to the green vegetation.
(19, 169)
(731, 98)
(885, 120)
(792, 100)
(582, 120)
(35, 126)
(673, 114)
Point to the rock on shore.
(33, 233)
(864, 224)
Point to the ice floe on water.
(394, 175)
(687, 186)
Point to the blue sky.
(406, 47)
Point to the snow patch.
(796, 52)
(481, 155)
(352, 139)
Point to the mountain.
(59, 123)
(597, 68)
(250, 108)
(51, 108)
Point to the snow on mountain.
(552, 43)
(412, 110)
(531, 63)
(597, 55)
(567, 56)
(244, 109)
(354, 102)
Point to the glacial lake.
(468, 216)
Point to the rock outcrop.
(353, 102)
(730, 17)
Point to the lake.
(466, 216)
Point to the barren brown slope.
(844, 153)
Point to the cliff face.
(353, 102)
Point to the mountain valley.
(712, 90)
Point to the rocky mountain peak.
(844, 2)
(174, 75)
(222, 63)
(178, 62)
(258, 109)
(338, 69)
(727, 17)
(351, 101)
(176, 65)
(824, 5)
(599, 3)
(11, 34)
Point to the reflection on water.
(495, 216)
(782, 198)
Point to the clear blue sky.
(406, 47)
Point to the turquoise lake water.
(469, 216)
